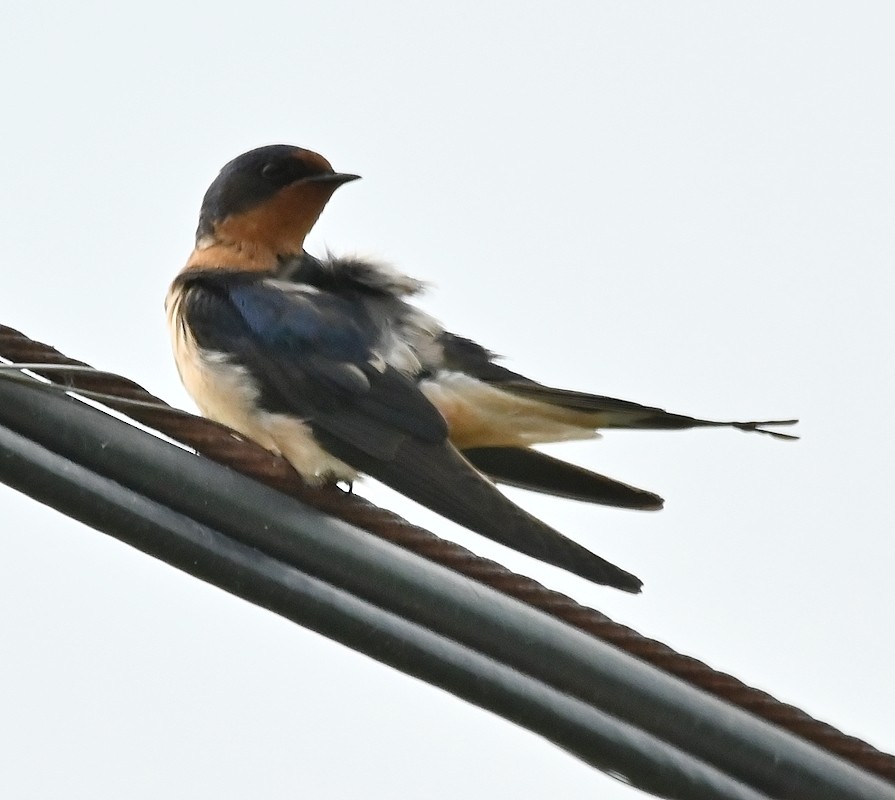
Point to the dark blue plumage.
(315, 357)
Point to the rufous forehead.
(313, 160)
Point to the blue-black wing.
(313, 354)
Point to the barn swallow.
(327, 363)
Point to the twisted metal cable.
(223, 445)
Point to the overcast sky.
(687, 205)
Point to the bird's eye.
(272, 170)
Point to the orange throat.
(254, 239)
(235, 256)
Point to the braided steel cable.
(226, 447)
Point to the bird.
(326, 362)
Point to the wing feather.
(314, 356)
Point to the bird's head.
(262, 205)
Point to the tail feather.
(538, 472)
(613, 413)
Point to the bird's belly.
(481, 415)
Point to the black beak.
(338, 178)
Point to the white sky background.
(686, 206)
